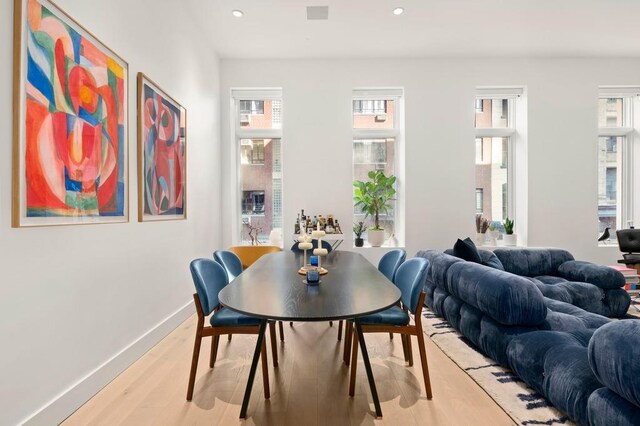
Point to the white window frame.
(629, 131)
(511, 131)
(397, 132)
(237, 134)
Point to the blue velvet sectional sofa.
(581, 361)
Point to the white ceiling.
(368, 29)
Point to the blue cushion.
(392, 316)
(607, 408)
(614, 355)
(531, 262)
(601, 276)
(490, 259)
(440, 263)
(225, 317)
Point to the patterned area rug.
(524, 405)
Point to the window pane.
(260, 114)
(611, 112)
(261, 186)
(373, 114)
(374, 154)
(492, 165)
(492, 113)
(608, 183)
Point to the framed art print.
(161, 154)
(70, 122)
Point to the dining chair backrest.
(410, 279)
(249, 254)
(390, 263)
(209, 278)
(230, 262)
(325, 245)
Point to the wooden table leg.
(252, 371)
(367, 367)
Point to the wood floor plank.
(309, 387)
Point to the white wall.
(74, 297)
(561, 147)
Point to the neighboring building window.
(479, 201)
(616, 128)
(495, 135)
(376, 135)
(258, 124)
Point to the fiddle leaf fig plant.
(374, 196)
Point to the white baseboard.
(63, 405)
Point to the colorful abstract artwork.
(161, 154)
(70, 154)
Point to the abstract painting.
(70, 122)
(161, 154)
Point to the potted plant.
(482, 224)
(510, 239)
(358, 229)
(374, 197)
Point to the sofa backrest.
(440, 263)
(532, 262)
(507, 298)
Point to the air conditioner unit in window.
(381, 118)
(246, 220)
(245, 119)
(380, 166)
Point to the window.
(616, 127)
(495, 123)
(479, 201)
(377, 125)
(258, 139)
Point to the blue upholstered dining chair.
(209, 278)
(390, 263)
(409, 279)
(232, 264)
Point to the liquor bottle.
(314, 223)
(337, 228)
(297, 226)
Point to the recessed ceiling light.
(239, 13)
(398, 11)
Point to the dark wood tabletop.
(272, 288)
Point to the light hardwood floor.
(310, 387)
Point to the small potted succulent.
(510, 239)
(372, 198)
(358, 229)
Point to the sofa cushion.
(531, 262)
(507, 298)
(601, 276)
(440, 263)
(607, 408)
(466, 250)
(589, 319)
(614, 355)
(490, 259)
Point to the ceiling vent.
(317, 13)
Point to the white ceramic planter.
(510, 239)
(481, 239)
(375, 237)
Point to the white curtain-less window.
(258, 139)
(617, 124)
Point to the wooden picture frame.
(70, 124)
(162, 154)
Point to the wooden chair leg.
(281, 331)
(230, 336)
(194, 365)
(409, 350)
(425, 366)
(330, 323)
(348, 335)
(340, 330)
(290, 323)
(265, 371)
(274, 351)
(214, 350)
(354, 362)
(403, 338)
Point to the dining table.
(272, 289)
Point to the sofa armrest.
(598, 275)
